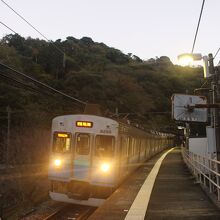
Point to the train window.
(130, 146)
(124, 145)
(104, 146)
(82, 144)
(61, 142)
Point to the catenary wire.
(65, 56)
(146, 113)
(8, 27)
(20, 83)
(25, 20)
(42, 84)
(217, 52)
(197, 29)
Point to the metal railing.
(205, 170)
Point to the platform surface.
(174, 195)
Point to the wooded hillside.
(91, 72)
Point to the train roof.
(105, 120)
(84, 117)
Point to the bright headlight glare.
(185, 60)
(57, 162)
(105, 167)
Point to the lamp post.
(211, 73)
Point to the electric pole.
(215, 119)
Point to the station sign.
(188, 108)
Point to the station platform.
(172, 195)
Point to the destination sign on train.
(86, 124)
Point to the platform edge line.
(139, 207)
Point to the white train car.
(90, 156)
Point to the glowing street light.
(186, 61)
(188, 58)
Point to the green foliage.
(92, 72)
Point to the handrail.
(206, 177)
(205, 170)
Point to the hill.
(90, 71)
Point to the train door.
(82, 157)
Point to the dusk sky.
(146, 28)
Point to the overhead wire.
(31, 78)
(22, 84)
(216, 53)
(42, 84)
(8, 27)
(32, 26)
(19, 84)
(197, 28)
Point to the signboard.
(184, 108)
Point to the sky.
(145, 28)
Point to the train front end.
(83, 162)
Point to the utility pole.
(8, 109)
(215, 119)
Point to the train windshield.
(104, 146)
(61, 142)
(82, 144)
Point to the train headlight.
(57, 163)
(105, 167)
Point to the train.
(91, 155)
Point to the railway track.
(53, 211)
(71, 212)
(8, 211)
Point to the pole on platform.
(215, 119)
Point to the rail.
(65, 212)
(205, 170)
